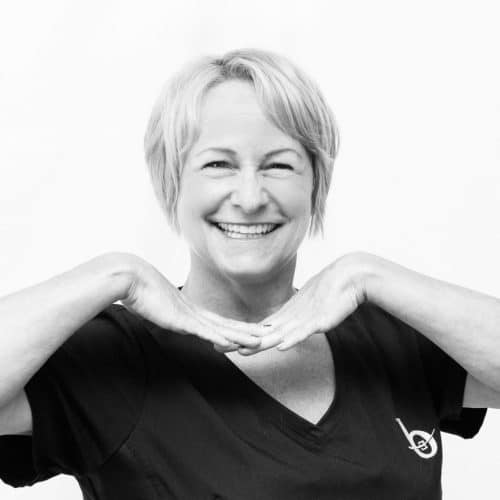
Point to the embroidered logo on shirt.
(421, 442)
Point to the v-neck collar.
(285, 419)
(275, 412)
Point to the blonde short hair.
(289, 98)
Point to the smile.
(245, 231)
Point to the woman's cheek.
(295, 198)
(210, 193)
(198, 194)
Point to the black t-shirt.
(136, 412)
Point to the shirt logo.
(421, 442)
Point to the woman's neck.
(251, 301)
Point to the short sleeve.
(447, 381)
(85, 401)
(443, 376)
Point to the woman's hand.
(322, 303)
(153, 297)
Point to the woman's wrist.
(121, 270)
(388, 284)
(364, 272)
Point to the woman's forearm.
(35, 321)
(462, 322)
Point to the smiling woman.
(236, 385)
(245, 192)
(273, 90)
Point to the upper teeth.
(247, 229)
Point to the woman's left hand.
(322, 303)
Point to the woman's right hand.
(153, 297)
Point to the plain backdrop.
(414, 86)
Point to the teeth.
(243, 231)
(246, 229)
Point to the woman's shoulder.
(112, 341)
(116, 323)
(373, 332)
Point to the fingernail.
(244, 352)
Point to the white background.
(414, 86)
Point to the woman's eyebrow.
(231, 152)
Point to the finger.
(239, 331)
(288, 344)
(280, 330)
(229, 322)
(230, 348)
(215, 339)
(294, 332)
(277, 320)
(246, 351)
(231, 335)
(266, 329)
(196, 326)
(237, 338)
(267, 343)
(293, 339)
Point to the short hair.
(289, 98)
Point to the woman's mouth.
(245, 231)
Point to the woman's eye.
(281, 166)
(217, 164)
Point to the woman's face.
(245, 197)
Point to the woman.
(338, 390)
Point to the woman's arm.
(463, 323)
(35, 321)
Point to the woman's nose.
(249, 193)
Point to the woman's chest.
(301, 379)
(217, 428)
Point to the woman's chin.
(249, 272)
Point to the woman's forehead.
(231, 104)
(228, 94)
(231, 115)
